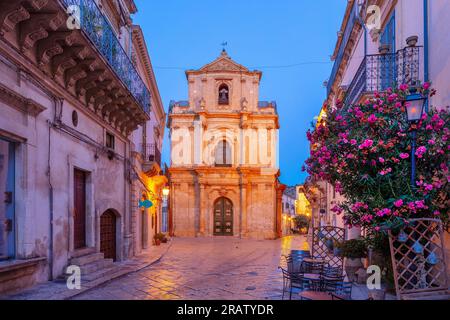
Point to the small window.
(110, 141)
(224, 94)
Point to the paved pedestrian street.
(207, 268)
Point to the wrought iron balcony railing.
(97, 28)
(381, 71)
(151, 153)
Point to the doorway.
(79, 209)
(108, 234)
(223, 217)
(7, 191)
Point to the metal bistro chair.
(292, 264)
(292, 280)
(342, 291)
(332, 271)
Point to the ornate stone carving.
(19, 102)
(53, 45)
(11, 13)
(66, 60)
(35, 28)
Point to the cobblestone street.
(210, 268)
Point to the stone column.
(279, 209)
(202, 210)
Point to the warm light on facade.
(165, 191)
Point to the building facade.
(289, 212)
(224, 166)
(75, 84)
(381, 44)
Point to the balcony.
(381, 71)
(151, 153)
(95, 25)
(71, 48)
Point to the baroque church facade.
(224, 161)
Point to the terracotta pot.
(157, 242)
(365, 262)
(412, 41)
(384, 49)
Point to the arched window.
(224, 94)
(223, 154)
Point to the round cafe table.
(315, 295)
(314, 260)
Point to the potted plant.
(160, 237)
(353, 251)
(412, 41)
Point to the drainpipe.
(425, 45)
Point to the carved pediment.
(19, 102)
(223, 63)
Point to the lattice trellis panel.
(322, 238)
(418, 257)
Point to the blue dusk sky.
(290, 41)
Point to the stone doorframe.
(213, 195)
(89, 169)
(104, 205)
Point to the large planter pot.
(412, 41)
(377, 294)
(351, 267)
(157, 242)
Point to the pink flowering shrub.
(365, 152)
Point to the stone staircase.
(93, 265)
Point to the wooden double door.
(79, 218)
(223, 217)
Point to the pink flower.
(398, 203)
(384, 212)
(421, 151)
(366, 144)
(353, 142)
(431, 142)
(404, 155)
(372, 118)
(385, 172)
(420, 204)
(337, 209)
(404, 87)
(429, 187)
(426, 86)
(381, 160)
(436, 213)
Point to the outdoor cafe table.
(314, 260)
(315, 295)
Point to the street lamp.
(165, 191)
(414, 105)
